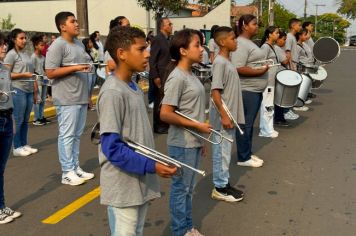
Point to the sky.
(297, 6)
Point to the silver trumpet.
(86, 63)
(35, 77)
(208, 139)
(5, 95)
(268, 62)
(229, 115)
(146, 151)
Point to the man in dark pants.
(159, 60)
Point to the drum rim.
(300, 75)
(337, 56)
(322, 68)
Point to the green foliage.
(211, 3)
(327, 21)
(163, 7)
(348, 8)
(6, 23)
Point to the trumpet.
(208, 139)
(5, 95)
(268, 62)
(146, 151)
(35, 77)
(98, 64)
(228, 114)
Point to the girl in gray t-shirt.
(184, 92)
(21, 69)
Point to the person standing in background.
(159, 60)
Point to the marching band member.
(185, 93)
(253, 83)
(225, 87)
(127, 179)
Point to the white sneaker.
(250, 163)
(4, 218)
(71, 178)
(193, 232)
(11, 213)
(309, 101)
(256, 158)
(274, 134)
(84, 175)
(30, 149)
(21, 152)
(151, 105)
(290, 115)
(303, 108)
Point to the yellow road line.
(71, 208)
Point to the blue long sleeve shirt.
(121, 155)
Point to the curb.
(51, 111)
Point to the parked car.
(353, 40)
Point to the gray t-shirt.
(71, 89)
(20, 63)
(304, 54)
(38, 63)
(185, 92)
(226, 79)
(248, 52)
(310, 43)
(5, 85)
(122, 110)
(271, 54)
(291, 45)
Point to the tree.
(162, 7)
(210, 3)
(347, 8)
(6, 23)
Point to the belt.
(6, 113)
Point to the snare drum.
(100, 72)
(319, 77)
(287, 88)
(326, 50)
(304, 91)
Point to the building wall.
(219, 16)
(39, 15)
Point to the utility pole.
(271, 12)
(82, 17)
(316, 16)
(305, 10)
(261, 11)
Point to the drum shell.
(318, 78)
(304, 90)
(285, 95)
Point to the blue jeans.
(71, 122)
(39, 107)
(182, 186)
(252, 102)
(127, 221)
(22, 109)
(221, 158)
(92, 81)
(6, 135)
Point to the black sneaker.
(38, 123)
(282, 123)
(44, 120)
(311, 95)
(225, 194)
(238, 194)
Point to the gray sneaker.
(11, 213)
(4, 218)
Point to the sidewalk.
(50, 110)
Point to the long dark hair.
(92, 39)
(86, 41)
(269, 30)
(181, 39)
(244, 20)
(12, 37)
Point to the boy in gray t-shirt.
(70, 95)
(127, 179)
(225, 88)
(291, 43)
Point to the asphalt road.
(306, 187)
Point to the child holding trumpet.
(127, 179)
(185, 93)
(225, 90)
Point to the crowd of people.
(128, 179)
